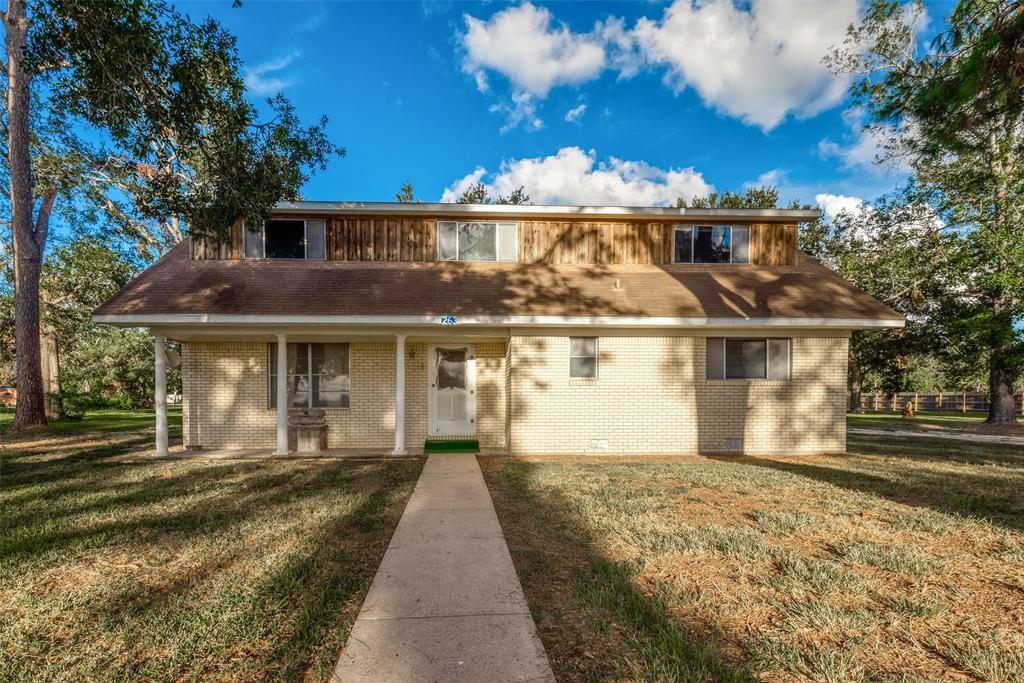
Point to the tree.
(762, 197)
(954, 112)
(478, 194)
(405, 194)
(169, 141)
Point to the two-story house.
(532, 329)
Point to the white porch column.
(282, 395)
(399, 395)
(160, 398)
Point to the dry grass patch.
(114, 566)
(877, 566)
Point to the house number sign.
(449, 320)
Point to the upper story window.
(745, 358)
(711, 244)
(477, 241)
(286, 238)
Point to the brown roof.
(177, 284)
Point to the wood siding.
(581, 242)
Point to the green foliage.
(954, 112)
(405, 194)
(167, 97)
(761, 197)
(478, 194)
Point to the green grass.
(931, 421)
(899, 562)
(118, 567)
(103, 420)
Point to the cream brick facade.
(650, 397)
(225, 396)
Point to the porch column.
(399, 395)
(160, 397)
(282, 395)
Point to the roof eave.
(541, 211)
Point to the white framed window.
(747, 358)
(318, 375)
(286, 238)
(711, 244)
(477, 241)
(582, 357)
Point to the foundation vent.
(734, 444)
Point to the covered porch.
(379, 392)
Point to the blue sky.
(626, 103)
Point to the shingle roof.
(177, 284)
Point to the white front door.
(452, 390)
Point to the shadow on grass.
(585, 602)
(992, 493)
(268, 562)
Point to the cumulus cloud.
(834, 204)
(530, 50)
(758, 64)
(265, 78)
(863, 148)
(573, 176)
(522, 110)
(575, 113)
(759, 61)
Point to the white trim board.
(147, 320)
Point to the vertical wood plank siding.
(580, 242)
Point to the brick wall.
(225, 392)
(651, 397)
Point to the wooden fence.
(944, 401)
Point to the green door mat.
(451, 446)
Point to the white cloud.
(863, 148)
(758, 64)
(260, 78)
(522, 110)
(834, 204)
(572, 176)
(521, 43)
(575, 113)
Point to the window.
(286, 238)
(711, 244)
(747, 358)
(583, 357)
(317, 375)
(477, 241)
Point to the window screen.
(315, 240)
(477, 241)
(318, 375)
(683, 252)
(583, 357)
(747, 359)
(740, 244)
(253, 241)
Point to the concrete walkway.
(446, 603)
(950, 436)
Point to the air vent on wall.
(735, 444)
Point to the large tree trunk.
(1001, 409)
(856, 386)
(53, 400)
(28, 243)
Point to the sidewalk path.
(446, 603)
(951, 436)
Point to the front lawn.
(903, 561)
(114, 566)
(111, 420)
(934, 422)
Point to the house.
(532, 329)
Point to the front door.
(452, 390)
